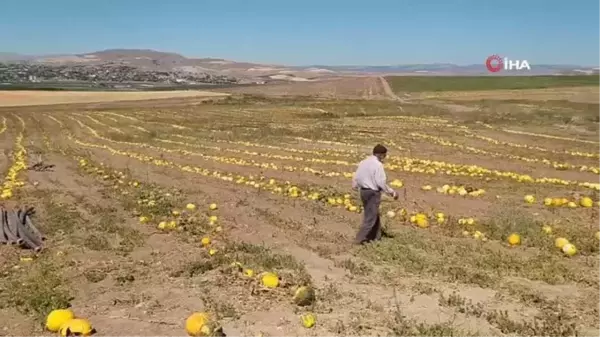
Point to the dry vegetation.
(27, 98)
(279, 171)
(367, 88)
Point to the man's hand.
(395, 195)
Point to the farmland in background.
(478, 83)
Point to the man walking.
(370, 180)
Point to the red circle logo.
(494, 63)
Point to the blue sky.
(303, 32)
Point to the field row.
(272, 166)
(406, 164)
(469, 225)
(557, 165)
(331, 195)
(414, 137)
(470, 171)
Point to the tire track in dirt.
(388, 90)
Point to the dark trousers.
(371, 225)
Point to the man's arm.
(355, 178)
(381, 180)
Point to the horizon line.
(290, 65)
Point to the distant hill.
(153, 60)
(4, 57)
(440, 69)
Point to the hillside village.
(20, 73)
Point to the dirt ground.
(279, 171)
(26, 98)
(364, 87)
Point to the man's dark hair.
(379, 149)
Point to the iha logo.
(495, 63)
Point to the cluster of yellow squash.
(295, 192)
(11, 180)
(120, 180)
(585, 202)
(531, 147)
(557, 165)
(199, 324)
(272, 185)
(65, 323)
(3, 126)
(457, 190)
(563, 244)
(396, 163)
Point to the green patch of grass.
(200, 267)
(54, 216)
(420, 252)
(147, 200)
(220, 309)
(109, 232)
(462, 304)
(466, 83)
(551, 321)
(258, 258)
(150, 199)
(42, 290)
(400, 325)
(354, 267)
(524, 294)
(331, 292)
(261, 256)
(510, 218)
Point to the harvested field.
(128, 252)
(27, 98)
(342, 88)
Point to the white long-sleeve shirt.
(371, 175)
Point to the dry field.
(365, 87)
(28, 98)
(279, 171)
